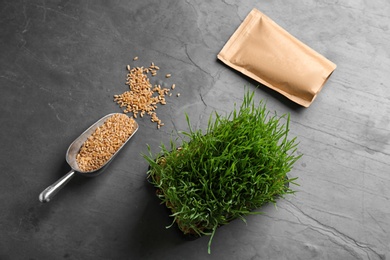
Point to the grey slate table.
(61, 62)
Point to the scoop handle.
(52, 190)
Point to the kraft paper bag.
(264, 51)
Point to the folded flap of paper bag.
(264, 51)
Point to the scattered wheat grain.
(142, 98)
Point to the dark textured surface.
(62, 61)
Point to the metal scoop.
(71, 154)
